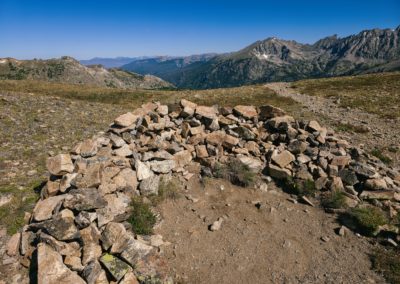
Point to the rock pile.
(78, 231)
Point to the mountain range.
(112, 62)
(275, 59)
(69, 70)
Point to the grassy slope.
(374, 93)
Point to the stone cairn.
(78, 231)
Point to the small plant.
(142, 218)
(167, 189)
(378, 153)
(300, 187)
(387, 262)
(335, 199)
(236, 172)
(365, 219)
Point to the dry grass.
(374, 93)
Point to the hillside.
(69, 70)
(110, 62)
(275, 59)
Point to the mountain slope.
(274, 59)
(111, 62)
(69, 70)
(171, 69)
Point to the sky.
(99, 28)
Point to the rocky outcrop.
(79, 230)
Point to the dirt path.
(279, 242)
(377, 132)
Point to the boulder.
(268, 111)
(247, 112)
(279, 173)
(150, 185)
(126, 119)
(116, 267)
(12, 246)
(254, 164)
(51, 268)
(142, 170)
(201, 151)
(44, 208)
(60, 164)
(283, 159)
(84, 199)
(206, 112)
(88, 148)
(376, 184)
(163, 167)
(63, 229)
(245, 133)
(111, 234)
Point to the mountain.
(111, 62)
(275, 59)
(69, 70)
(171, 69)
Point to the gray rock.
(348, 176)
(150, 185)
(63, 229)
(115, 266)
(142, 170)
(92, 272)
(84, 199)
(279, 173)
(135, 250)
(245, 133)
(163, 167)
(111, 234)
(44, 208)
(283, 159)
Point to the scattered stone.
(216, 225)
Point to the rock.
(283, 159)
(134, 250)
(314, 126)
(186, 103)
(74, 263)
(340, 161)
(63, 248)
(60, 164)
(112, 234)
(88, 148)
(150, 185)
(280, 122)
(93, 273)
(306, 200)
(216, 138)
(12, 246)
(116, 206)
(207, 112)
(142, 170)
(182, 158)
(85, 218)
(129, 278)
(279, 173)
(124, 151)
(217, 224)
(63, 229)
(162, 109)
(92, 176)
(127, 178)
(53, 187)
(378, 195)
(201, 151)
(363, 170)
(336, 184)
(230, 141)
(126, 119)
(245, 133)
(51, 268)
(348, 177)
(91, 249)
(84, 199)
(187, 111)
(117, 141)
(254, 164)
(44, 208)
(297, 146)
(376, 184)
(163, 167)
(115, 266)
(268, 111)
(247, 112)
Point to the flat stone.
(117, 141)
(63, 248)
(254, 164)
(247, 112)
(115, 266)
(127, 178)
(280, 122)
(348, 176)
(162, 109)
(88, 148)
(51, 268)
(314, 126)
(126, 119)
(230, 141)
(379, 195)
(376, 184)
(111, 234)
(74, 263)
(196, 130)
(134, 251)
(92, 176)
(245, 133)
(279, 173)
(60, 164)
(84, 199)
(52, 187)
(283, 159)
(63, 229)
(186, 103)
(207, 112)
(340, 161)
(116, 205)
(150, 185)
(44, 208)
(182, 158)
(268, 111)
(216, 138)
(163, 167)
(124, 151)
(91, 249)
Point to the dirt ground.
(265, 238)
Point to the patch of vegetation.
(347, 127)
(387, 262)
(393, 149)
(142, 218)
(366, 220)
(300, 187)
(335, 199)
(167, 189)
(236, 172)
(378, 153)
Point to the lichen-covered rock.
(115, 266)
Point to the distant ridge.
(68, 70)
(274, 59)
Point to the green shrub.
(142, 218)
(167, 189)
(378, 153)
(300, 187)
(365, 219)
(335, 199)
(387, 262)
(236, 172)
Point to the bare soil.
(265, 238)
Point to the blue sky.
(85, 29)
